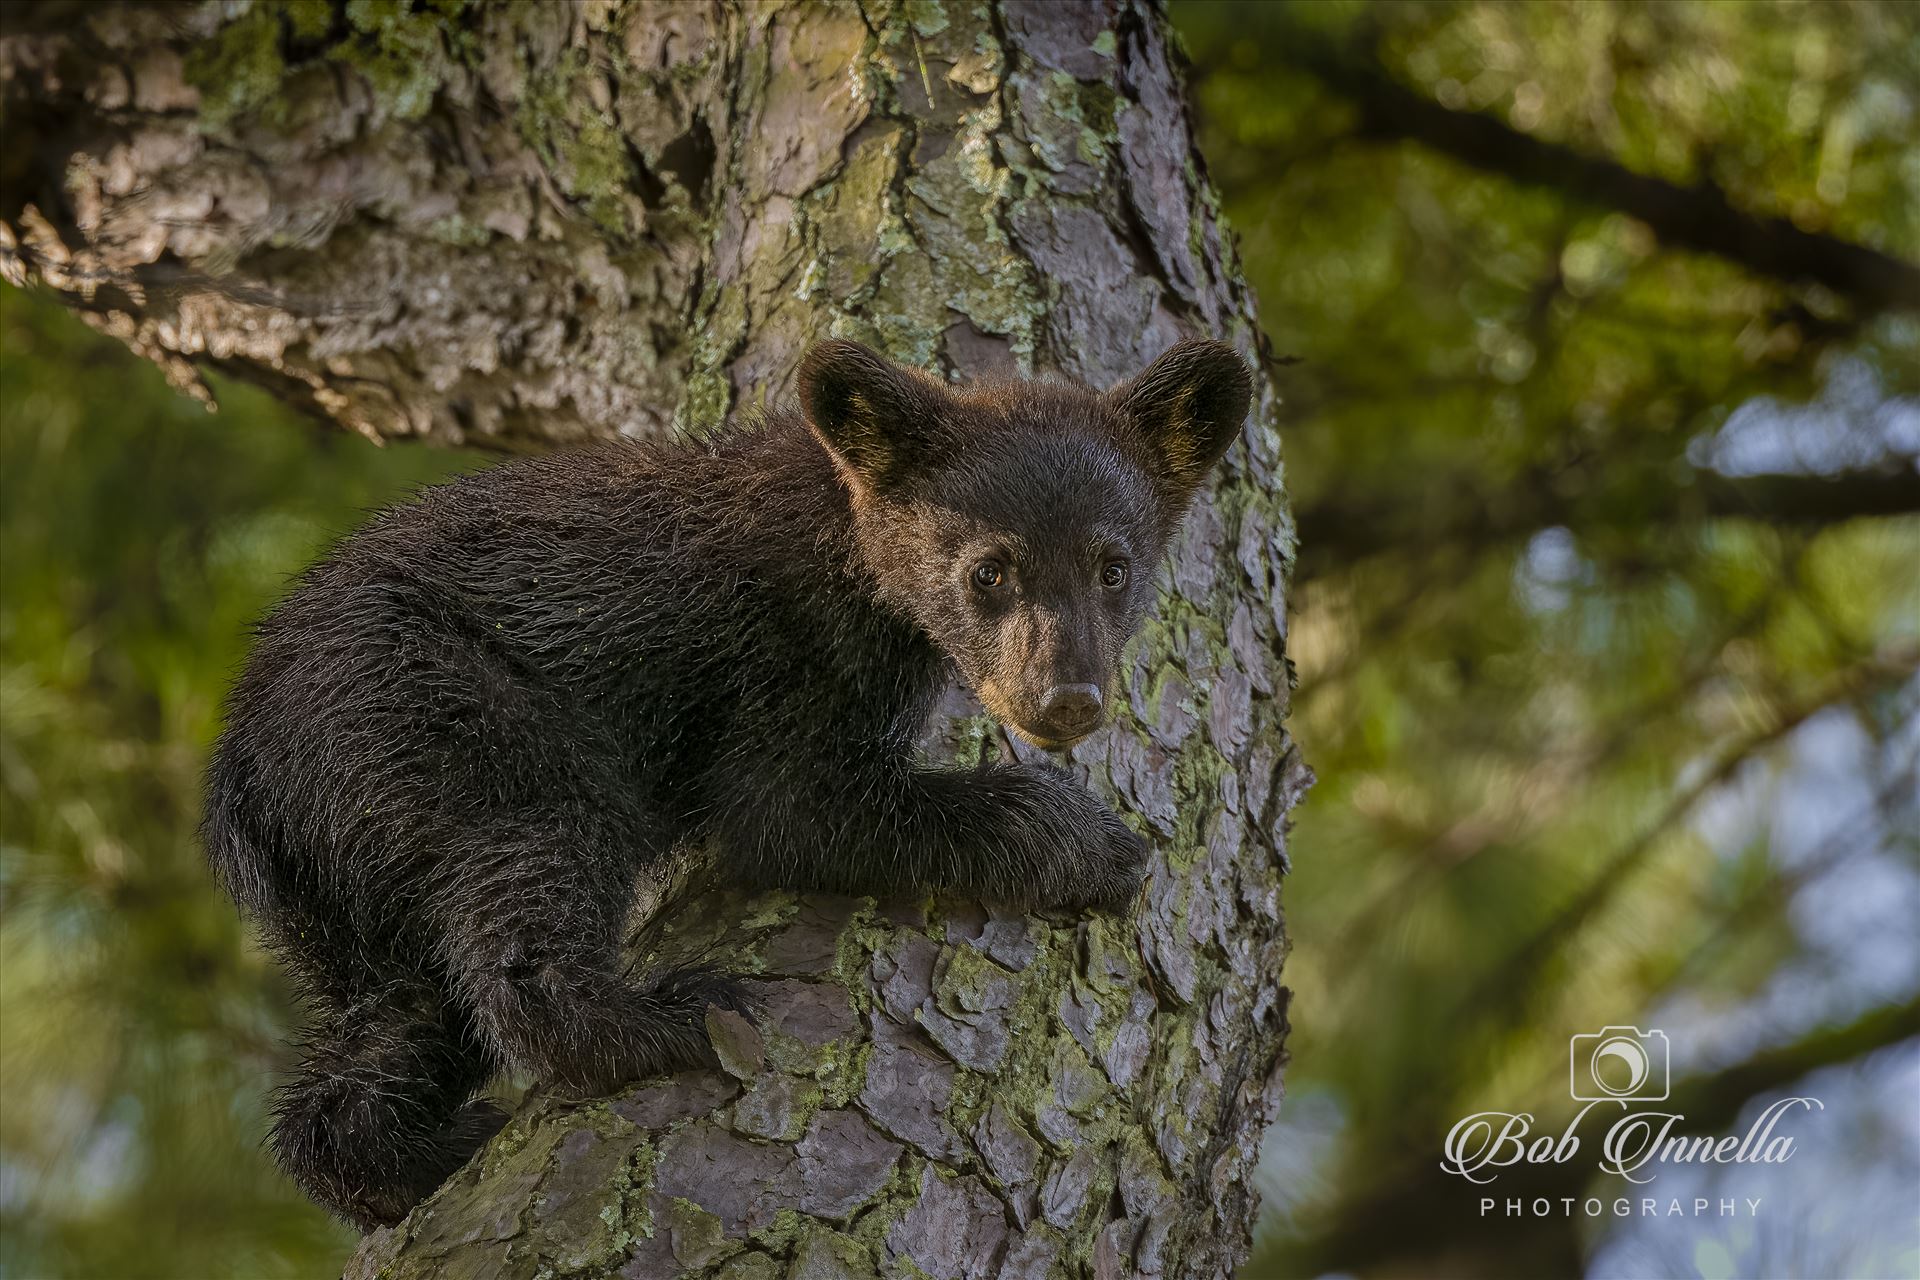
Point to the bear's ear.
(882, 422)
(1187, 407)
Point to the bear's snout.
(1070, 712)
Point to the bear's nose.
(1072, 708)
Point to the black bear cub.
(462, 737)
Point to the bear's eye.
(1114, 576)
(989, 576)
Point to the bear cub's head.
(1020, 523)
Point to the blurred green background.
(139, 1030)
(1607, 621)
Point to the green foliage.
(141, 536)
(1521, 642)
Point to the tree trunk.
(515, 225)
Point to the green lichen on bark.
(581, 144)
(241, 69)
(405, 51)
(245, 67)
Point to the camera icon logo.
(1619, 1064)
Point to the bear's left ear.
(1188, 407)
(883, 423)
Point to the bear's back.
(619, 620)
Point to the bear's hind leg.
(534, 955)
(381, 1111)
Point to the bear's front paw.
(1114, 869)
(1082, 855)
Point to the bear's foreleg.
(1023, 833)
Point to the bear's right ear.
(881, 422)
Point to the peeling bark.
(517, 225)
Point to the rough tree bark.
(517, 225)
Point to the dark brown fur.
(460, 740)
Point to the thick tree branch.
(1697, 217)
(1807, 499)
(1340, 529)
